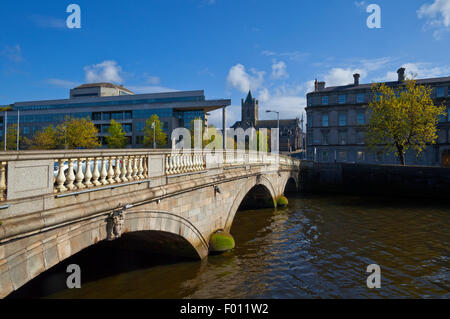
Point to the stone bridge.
(53, 204)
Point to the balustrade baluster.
(168, 164)
(80, 176)
(110, 179)
(117, 171)
(2, 181)
(135, 168)
(123, 176)
(141, 168)
(130, 169)
(88, 174)
(70, 178)
(61, 178)
(103, 172)
(96, 173)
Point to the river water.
(318, 247)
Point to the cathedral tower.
(250, 109)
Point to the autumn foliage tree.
(11, 138)
(43, 140)
(77, 133)
(402, 120)
(151, 131)
(116, 137)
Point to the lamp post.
(154, 134)
(278, 120)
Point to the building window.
(448, 114)
(448, 91)
(342, 99)
(360, 98)
(324, 100)
(325, 138)
(439, 92)
(325, 156)
(97, 116)
(309, 101)
(139, 140)
(127, 128)
(26, 130)
(379, 156)
(342, 138)
(128, 115)
(360, 118)
(342, 119)
(360, 156)
(360, 138)
(343, 156)
(325, 120)
(106, 116)
(309, 120)
(310, 138)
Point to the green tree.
(43, 140)
(403, 119)
(153, 128)
(116, 137)
(11, 139)
(77, 133)
(265, 142)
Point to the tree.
(150, 131)
(403, 119)
(259, 136)
(77, 133)
(116, 137)
(11, 138)
(43, 140)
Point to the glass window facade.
(342, 119)
(186, 117)
(360, 119)
(325, 120)
(440, 92)
(324, 100)
(360, 98)
(342, 99)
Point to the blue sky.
(225, 47)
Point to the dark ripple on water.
(319, 247)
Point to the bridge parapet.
(29, 174)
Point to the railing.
(184, 163)
(3, 181)
(80, 171)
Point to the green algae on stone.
(282, 201)
(221, 241)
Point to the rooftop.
(105, 85)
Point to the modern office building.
(291, 133)
(102, 102)
(336, 119)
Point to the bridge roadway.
(53, 205)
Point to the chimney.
(401, 74)
(320, 86)
(316, 86)
(356, 76)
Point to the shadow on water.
(317, 247)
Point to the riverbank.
(380, 180)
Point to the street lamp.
(278, 120)
(154, 134)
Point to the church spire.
(249, 98)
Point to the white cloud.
(239, 79)
(437, 15)
(13, 53)
(150, 89)
(107, 71)
(48, 22)
(153, 79)
(419, 70)
(61, 83)
(340, 76)
(279, 70)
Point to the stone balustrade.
(34, 173)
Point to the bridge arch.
(246, 188)
(54, 246)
